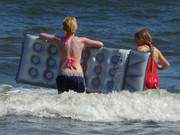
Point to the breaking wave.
(116, 106)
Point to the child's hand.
(160, 67)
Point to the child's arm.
(49, 37)
(163, 61)
(92, 43)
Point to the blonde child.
(70, 47)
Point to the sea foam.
(116, 106)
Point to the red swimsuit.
(152, 79)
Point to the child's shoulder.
(80, 39)
(156, 49)
(142, 49)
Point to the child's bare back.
(70, 48)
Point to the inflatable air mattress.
(105, 69)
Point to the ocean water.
(26, 110)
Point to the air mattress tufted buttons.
(112, 72)
(48, 75)
(52, 49)
(35, 59)
(33, 72)
(37, 47)
(115, 59)
(98, 69)
(96, 82)
(100, 57)
(51, 62)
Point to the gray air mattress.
(105, 69)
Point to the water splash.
(144, 106)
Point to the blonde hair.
(144, 37)
(70, 25)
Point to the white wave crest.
(148, 105)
